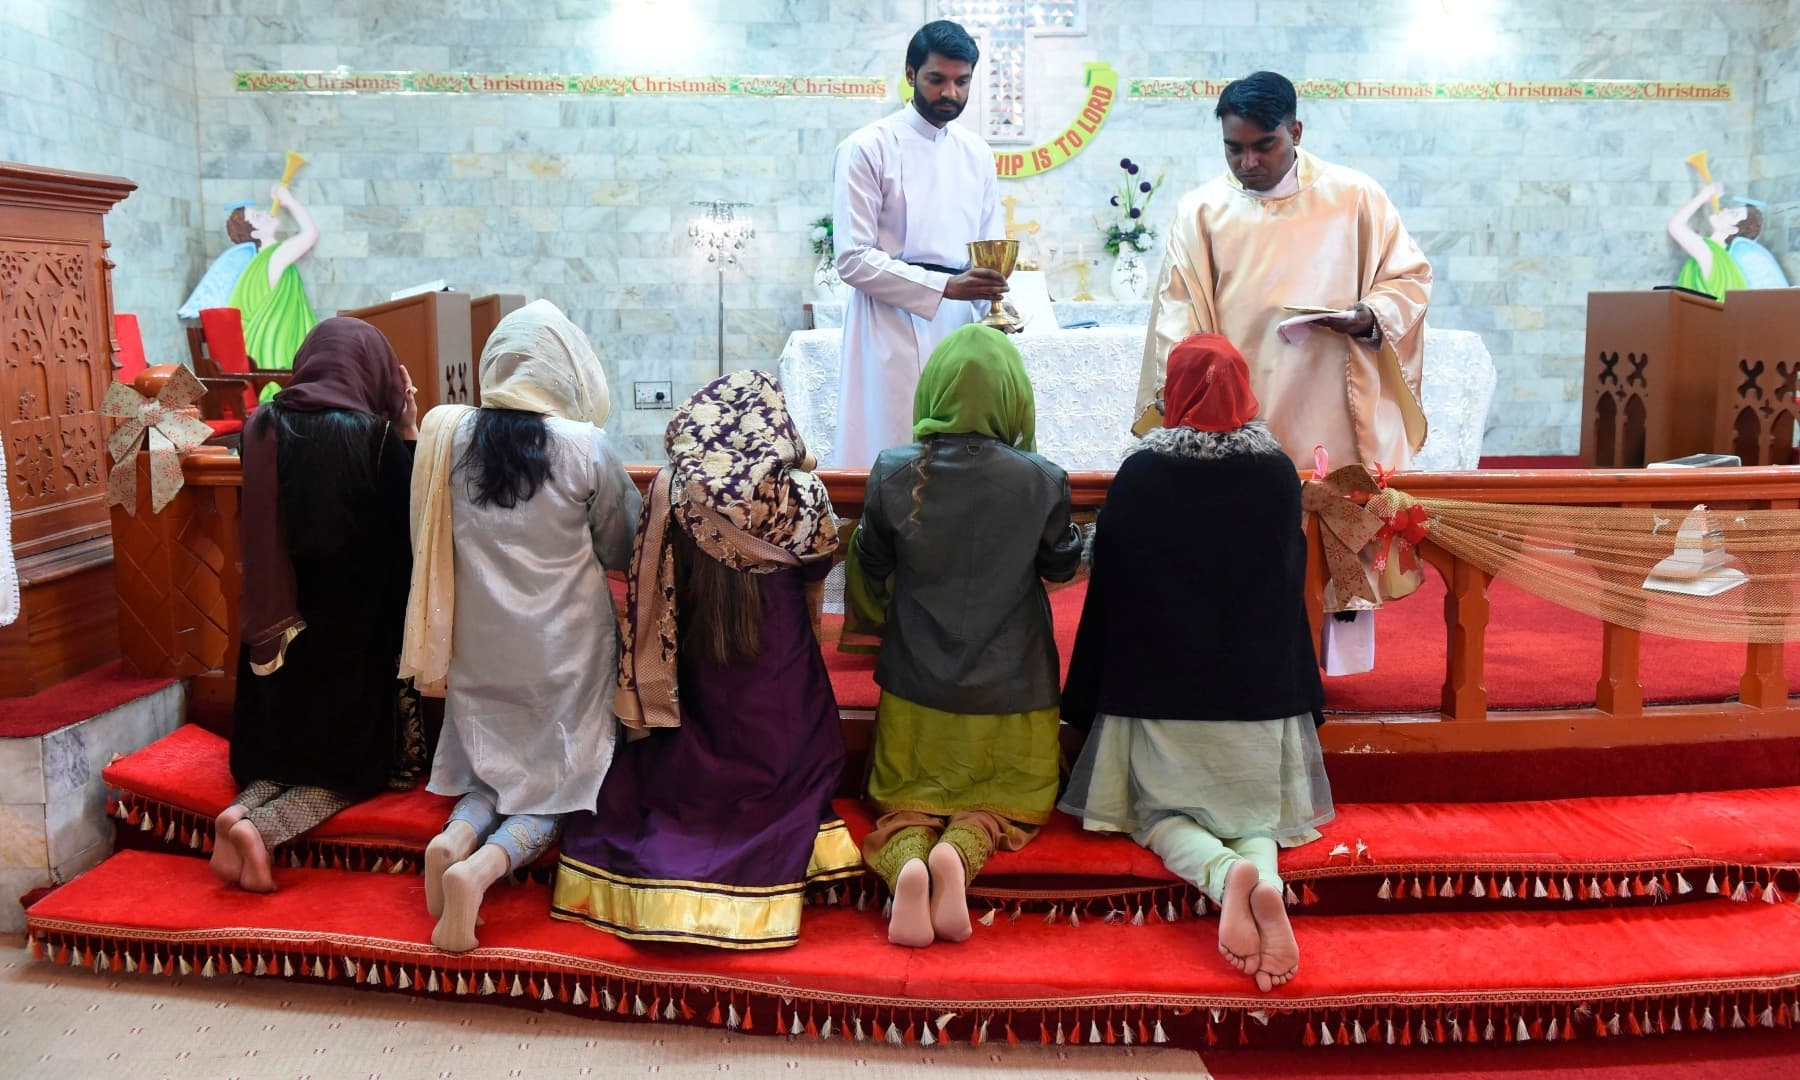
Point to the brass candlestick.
(1001, 255)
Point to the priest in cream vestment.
(1280, 229)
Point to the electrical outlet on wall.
(651, 395)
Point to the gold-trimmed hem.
(835, 854)
(696, 912)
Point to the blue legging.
(524, 837)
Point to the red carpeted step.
(1605, 848)
(73, 700)
(164, 911)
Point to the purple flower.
(1115, 200)
(1144, 186)
(1136, 213)
(1131, 168)
(1125, 163)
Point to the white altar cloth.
(1085, 384)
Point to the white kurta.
(904, 192)
(528, 717)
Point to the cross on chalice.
(999, 255)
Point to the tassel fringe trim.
(823, 1018)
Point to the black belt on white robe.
(951, 270)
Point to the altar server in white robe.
(1279, 229)
(1282, 228)
(909, 193)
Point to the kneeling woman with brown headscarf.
(320, 719)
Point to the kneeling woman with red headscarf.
(1194, 671)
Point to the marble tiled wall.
(1776, 148)
(1524, 207)
(53, 822)
(107, 86)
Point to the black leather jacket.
(967, 526)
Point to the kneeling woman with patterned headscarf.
(717, 813)
(1194, 663)
(519, 507)
(959, 532)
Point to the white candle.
(1081, 251)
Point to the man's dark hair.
(945, 38)
(1265, 99)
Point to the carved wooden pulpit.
(1650, 377)
(1757, 409)
(56, 361)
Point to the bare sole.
(455, 931)
(1240, 940)
(910, 923)
(1280, 955)
(258, 874)
(949, 896)
(227, 864)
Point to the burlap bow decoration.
(1346, 526)
(1396, 555)
(165, 424)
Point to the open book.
(1296, 328)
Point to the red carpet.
(1445, 855)
(74, 700)
(1484, 976)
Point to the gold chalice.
(999, 255)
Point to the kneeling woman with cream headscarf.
(518, 510)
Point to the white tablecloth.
(1104, 312)
(1085, 383)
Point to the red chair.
(233, 384)
(131, 347)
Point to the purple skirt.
(710, 832)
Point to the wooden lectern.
(56, 362)
(485, 313)
(1651, 372)
(1759, 360)
(430, 333)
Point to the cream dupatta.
(537, 361)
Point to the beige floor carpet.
(74, 1025)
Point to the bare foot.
(226, 862)
(910, 924)
(949, 902)
(456, 843)
(1238, 935)
(464, 886)
(1280, 952)
(258, 874)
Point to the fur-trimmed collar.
(1253, 438)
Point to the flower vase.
(825, 280)
(1130, 277)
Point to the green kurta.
(935, 762)
(1725, 274)
(276, 320)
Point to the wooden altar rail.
(206, 517)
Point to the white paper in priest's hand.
(1297, 329)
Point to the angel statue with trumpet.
(277, 315)
(1712, 267)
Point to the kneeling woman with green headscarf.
(959, 530)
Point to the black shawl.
(1195, 609)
